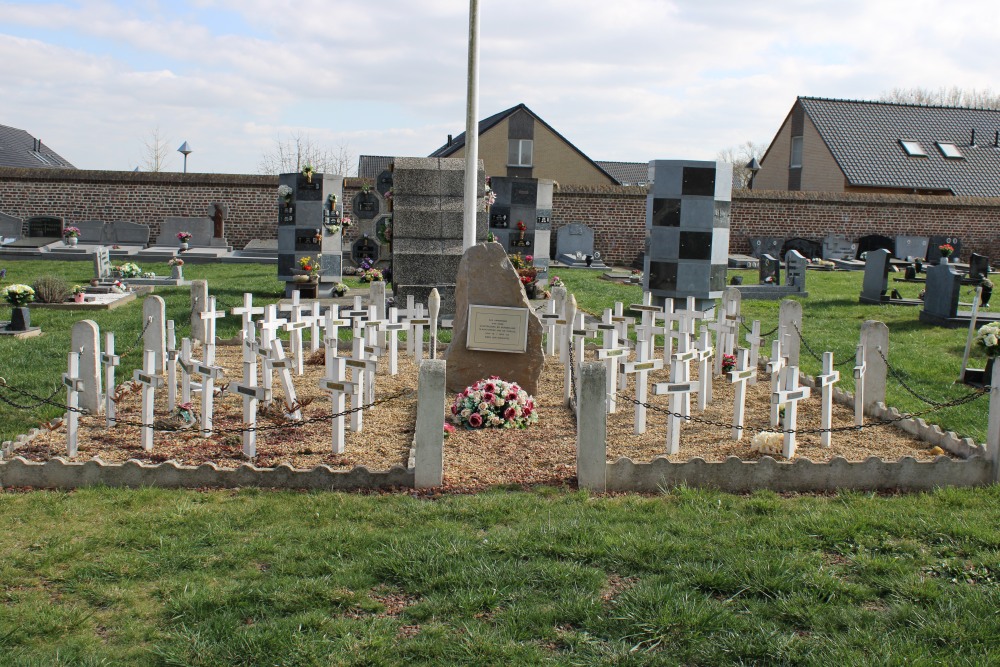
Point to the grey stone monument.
(10, 228)
(941, 296)
(766, 245)
(524, 202)
(911, 246)
(687, 230)
(979, 266)
(309, 226)
(769, 270)
(795, 270)
(876, 280)
(574, 244)
(838, 246)
(428, 196)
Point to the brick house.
(828, 145)
(20, 149)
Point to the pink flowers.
(475, 420)
(448, 429)
(494, 403)
(529, 258)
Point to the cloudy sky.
(629, 80)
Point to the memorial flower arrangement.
(127, 270)
(340, 289)
(71, 232)
(384, 233)
(988, 338)
(19, 295)
(728, 362)
(183, 237)
(555, 281)
(946, 249)
(494, 403)
(148, 274)
(308, 171)
(490, 197)
(175, 261)
(79, 289)
(308, 265)
(521, 226)
(331, 200)
(367, 272)
(285, 194)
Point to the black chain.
(899, 378)
(131, 348)
(275, 427)
(844, 360)
(763, 335)
(41, 400)
(834, 429)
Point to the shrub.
(50, 289)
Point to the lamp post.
(186, 150)
(754, 167)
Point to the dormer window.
(913, 148)
(950, 151)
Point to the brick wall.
(617, 214)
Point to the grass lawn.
(156, 577)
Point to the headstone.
(766, 245)
(94, 231)
(428, 228)
(86, 341)
(574, 243)
(102, 265)
(790, 330)
(943, 287)
(10, 228)
(769, 270)
(199, 304)
(979, 266)
(934, 247)
(487, 278)
(154, 321)
(201, 230)
(911, 246)
(687, 229)
(795, 270)
(129, 233)
(876, 280)
(838, 246)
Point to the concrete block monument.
(309, 225)
(687, 230)
(575, 246)
(521, 218)
(428, 199)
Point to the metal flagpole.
(471, 131)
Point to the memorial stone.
(574, 243)
(129, 233)
(766, 245)
(10, 228)
(838, 246)
(911, 246)
(428, 230)
(979, 266)
(201, 230)
(795, 270)
(687, 229)
(769, 270)
(310, 226)
(85, 339)
(942, 293)
(876, 280)
(487, 278)
(933, 248)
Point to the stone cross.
(150, 382)
(338, 387)
(774, 366)
(755, 340)
(641, 367)
(860, 369)
(826, 381)
(740, 376)
(677, 390)
(251, 393)
(247, 311)
(74, 385)
(789, 395)
(110, 361)
(391, 328)
(283, 365)
(703, 355)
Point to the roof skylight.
(950, 151)
(913, 148)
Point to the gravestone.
(383, 183)
(102, 265)
(45, 226)
(527, 202)
(795, 270)
(687, 230)
(876, 280)
(979, 266)
(10, 228)
(94, 231)
(573, 241)
(911, 246)
(766, 245)
(85, 339)
(492, 316)
(941, 297)
(201, 230)
(129, 233)
(838, 246)
(310, 227)
(874, 242)
(769, 270)
(428, 200)
(199, 304)
(933, 248)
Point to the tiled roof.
(20, 149)
(626, 173)
(864, 138)
(370, 166)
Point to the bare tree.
(154, 151)
(291, 154)
(739, 156)
(947, 97)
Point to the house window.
(949, 151)
(519, 153)
(913, 148)
(796, 158)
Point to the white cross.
(622, 323)
(268, 333)
(740, 376)
(676, 390)
(247, 311)
(391, 329)
(150, 383)
(415, 332)
(406, 314)
(74, 385)
(789, 395)
(688, 316)
(283, 364)
(680, 366)
(171, 367)
(641, 367)
(363, 375)
(703, 355)
(727, 329)
(568, 371)
(331, 331)
(208, 317)
(755, 340)
(254, 350)
(358, 315)
(209, 374)
(860, 367)
(338, 387)
(549, 323)
(774, 366)
(250, 392)
(186, 363)
(647, 329)
(826, 382)
(110, 361)
(294, 326)
(314, 318)
(612, 354)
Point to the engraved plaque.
(497, 329)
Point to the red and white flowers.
(494, 403)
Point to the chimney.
(996, 140)
(972, 141)
(449, 140)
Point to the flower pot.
(20, 319)
(71, 240)
(177, 272)
(78, 298)
(984, 296)
(184, 245)
(944, 259)
(531, 289)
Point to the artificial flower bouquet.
(19, 295)
(494, 403)
(988, 338)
